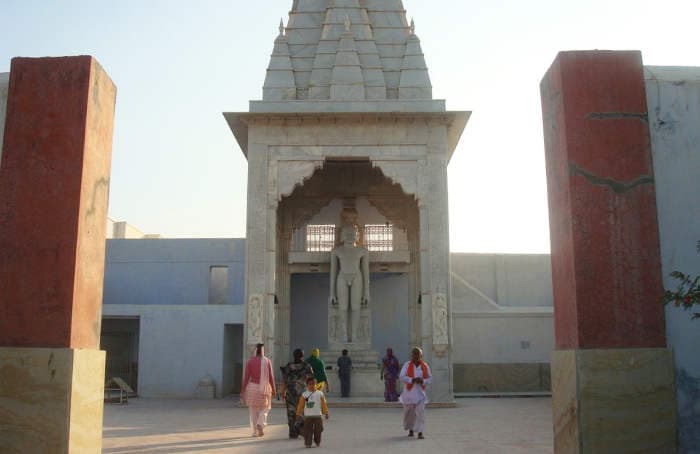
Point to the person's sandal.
(410, 433)
(420, 436)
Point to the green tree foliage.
(687, 294)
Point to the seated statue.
(349, 283)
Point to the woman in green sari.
(319, 368)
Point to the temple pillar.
(54, 185)
(435, 271)
(261, 239)
(612, 376)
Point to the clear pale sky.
(178, 171)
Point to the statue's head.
(348, 235)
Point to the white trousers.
(414, 417)
(258, 417)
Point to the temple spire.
(347, 81)
(415, 81)
(279, 81)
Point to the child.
(312, 404)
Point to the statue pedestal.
(366, 369)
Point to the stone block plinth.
(51, 400)
(614, 401)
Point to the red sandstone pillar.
(612, 377)
(54, 185)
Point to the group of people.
(304, 382)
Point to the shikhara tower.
(348, 123)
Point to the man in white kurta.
(415, 375)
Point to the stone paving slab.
(489, 426)
(360, 402)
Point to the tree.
(687, 294)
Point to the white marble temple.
(362, 124)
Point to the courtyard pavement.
(486, 425)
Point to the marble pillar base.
(51, 400)
(614, 401)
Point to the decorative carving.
(440, 325)
(364, 333)
(333, 328)
(255, 319)
(403, 173)
(291, 174)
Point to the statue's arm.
(334, 280)
(365, 277)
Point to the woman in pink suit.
(257, 389)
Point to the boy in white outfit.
(312, 405)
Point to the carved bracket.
(291, 174)
(403, 173)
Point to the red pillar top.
(605, 247)
(54, 184)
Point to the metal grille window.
(320, 238)
(379, 237)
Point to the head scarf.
(298, 355)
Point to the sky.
(178, 171)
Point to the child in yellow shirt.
(312, 406)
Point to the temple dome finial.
(281, 27)
(413, 26)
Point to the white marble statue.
(349, 284)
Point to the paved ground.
(489, 426)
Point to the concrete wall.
(4, 82)
(673, 97)
(166, 283)
(170, 272)
(389, 299)
(179, 345)
(509, 280)
(502, 322)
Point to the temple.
(348, 133)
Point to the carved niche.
(441, 338)
(255, 319)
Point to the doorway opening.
(232, 360)
(120, 340)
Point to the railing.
(321, 238)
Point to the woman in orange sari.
(257, 389)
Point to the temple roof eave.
(456, 120)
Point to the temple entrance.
(348, 197)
